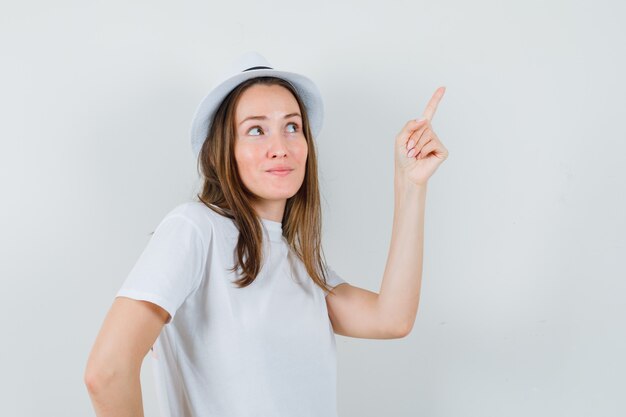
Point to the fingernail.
(411, 153)
(410, 144)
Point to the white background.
(522, 305)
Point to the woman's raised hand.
(419, 152)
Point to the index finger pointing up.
(429, 112)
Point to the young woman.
(231, 293)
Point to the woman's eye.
(259, 128)
(253, 128)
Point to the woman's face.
(269, 135)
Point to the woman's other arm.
(391, 313)
(112, 374)
(400, 289)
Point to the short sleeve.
(170, 267)
(332, 278)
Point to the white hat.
(251, 65)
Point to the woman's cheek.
(303, 150)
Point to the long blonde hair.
(223, 191)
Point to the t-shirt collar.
(274, 229)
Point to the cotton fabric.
(264, 350)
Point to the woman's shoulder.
(200, 214)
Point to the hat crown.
(244, 62)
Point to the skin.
(264, 143)
(358, 312)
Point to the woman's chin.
(278, 194)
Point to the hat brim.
(305, 87)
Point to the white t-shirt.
(264, 350)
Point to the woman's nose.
(278, 144)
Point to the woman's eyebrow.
(265, 117)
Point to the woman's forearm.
(400, 289)
(116, 397)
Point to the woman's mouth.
(280, 172)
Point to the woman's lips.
(280, 173)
